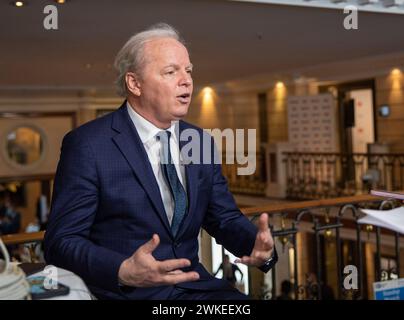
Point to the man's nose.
(186, 80)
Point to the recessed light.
(60, 1)
(280, 85)
(18, 4)
(396, 72)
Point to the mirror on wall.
(24, 145)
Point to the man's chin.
(180, 113)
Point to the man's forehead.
(167, 43)
(166, 51)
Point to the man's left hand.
(263, 247)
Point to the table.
(78, 289)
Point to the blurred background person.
(286, 290)
(327, 292)
(10, 219)
(229, 271)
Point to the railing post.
(296, 269)
(359, 255)
(378, 257)
(318, 258)
(339, 259)
(359, 258)
(397, 243)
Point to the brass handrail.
(299, 205)
(25, 237)
(27, 178)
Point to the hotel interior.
(309, 93)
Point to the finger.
(258, 259)
(171, 279)
(266, 240)
(252, 261)
(173, 264)
(152, 244)
(262, 255)
(263, 222)
(270, 233)
(173, 272)
(245, 260)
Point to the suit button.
(177, 244)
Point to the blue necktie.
(176, 188)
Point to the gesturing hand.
(142, 270)
(263, 247)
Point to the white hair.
(131, 58)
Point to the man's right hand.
(142, 270)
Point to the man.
(229, 271)
(126, 218)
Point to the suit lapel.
(191, 172)
(129, 143)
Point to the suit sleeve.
(223, 220)
(74, 206)
(226, 223)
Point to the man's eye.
(170, 72)
(189, 71)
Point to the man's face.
(166, 82)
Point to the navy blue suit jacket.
(106, 203)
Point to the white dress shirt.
(147, 133)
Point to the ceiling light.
(280, 85)
(18, 4)
(60, 1)
(207, 91)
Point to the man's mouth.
(184, 98)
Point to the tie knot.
(163, 135)
(165, 153)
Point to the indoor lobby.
(305, 103)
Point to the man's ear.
(133, 84)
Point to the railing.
(27, 178)
(253, 184)
(329, 175)
(25, 191)
(21, 238)
(29, 240)
(327, 221)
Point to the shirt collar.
(145, 128)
